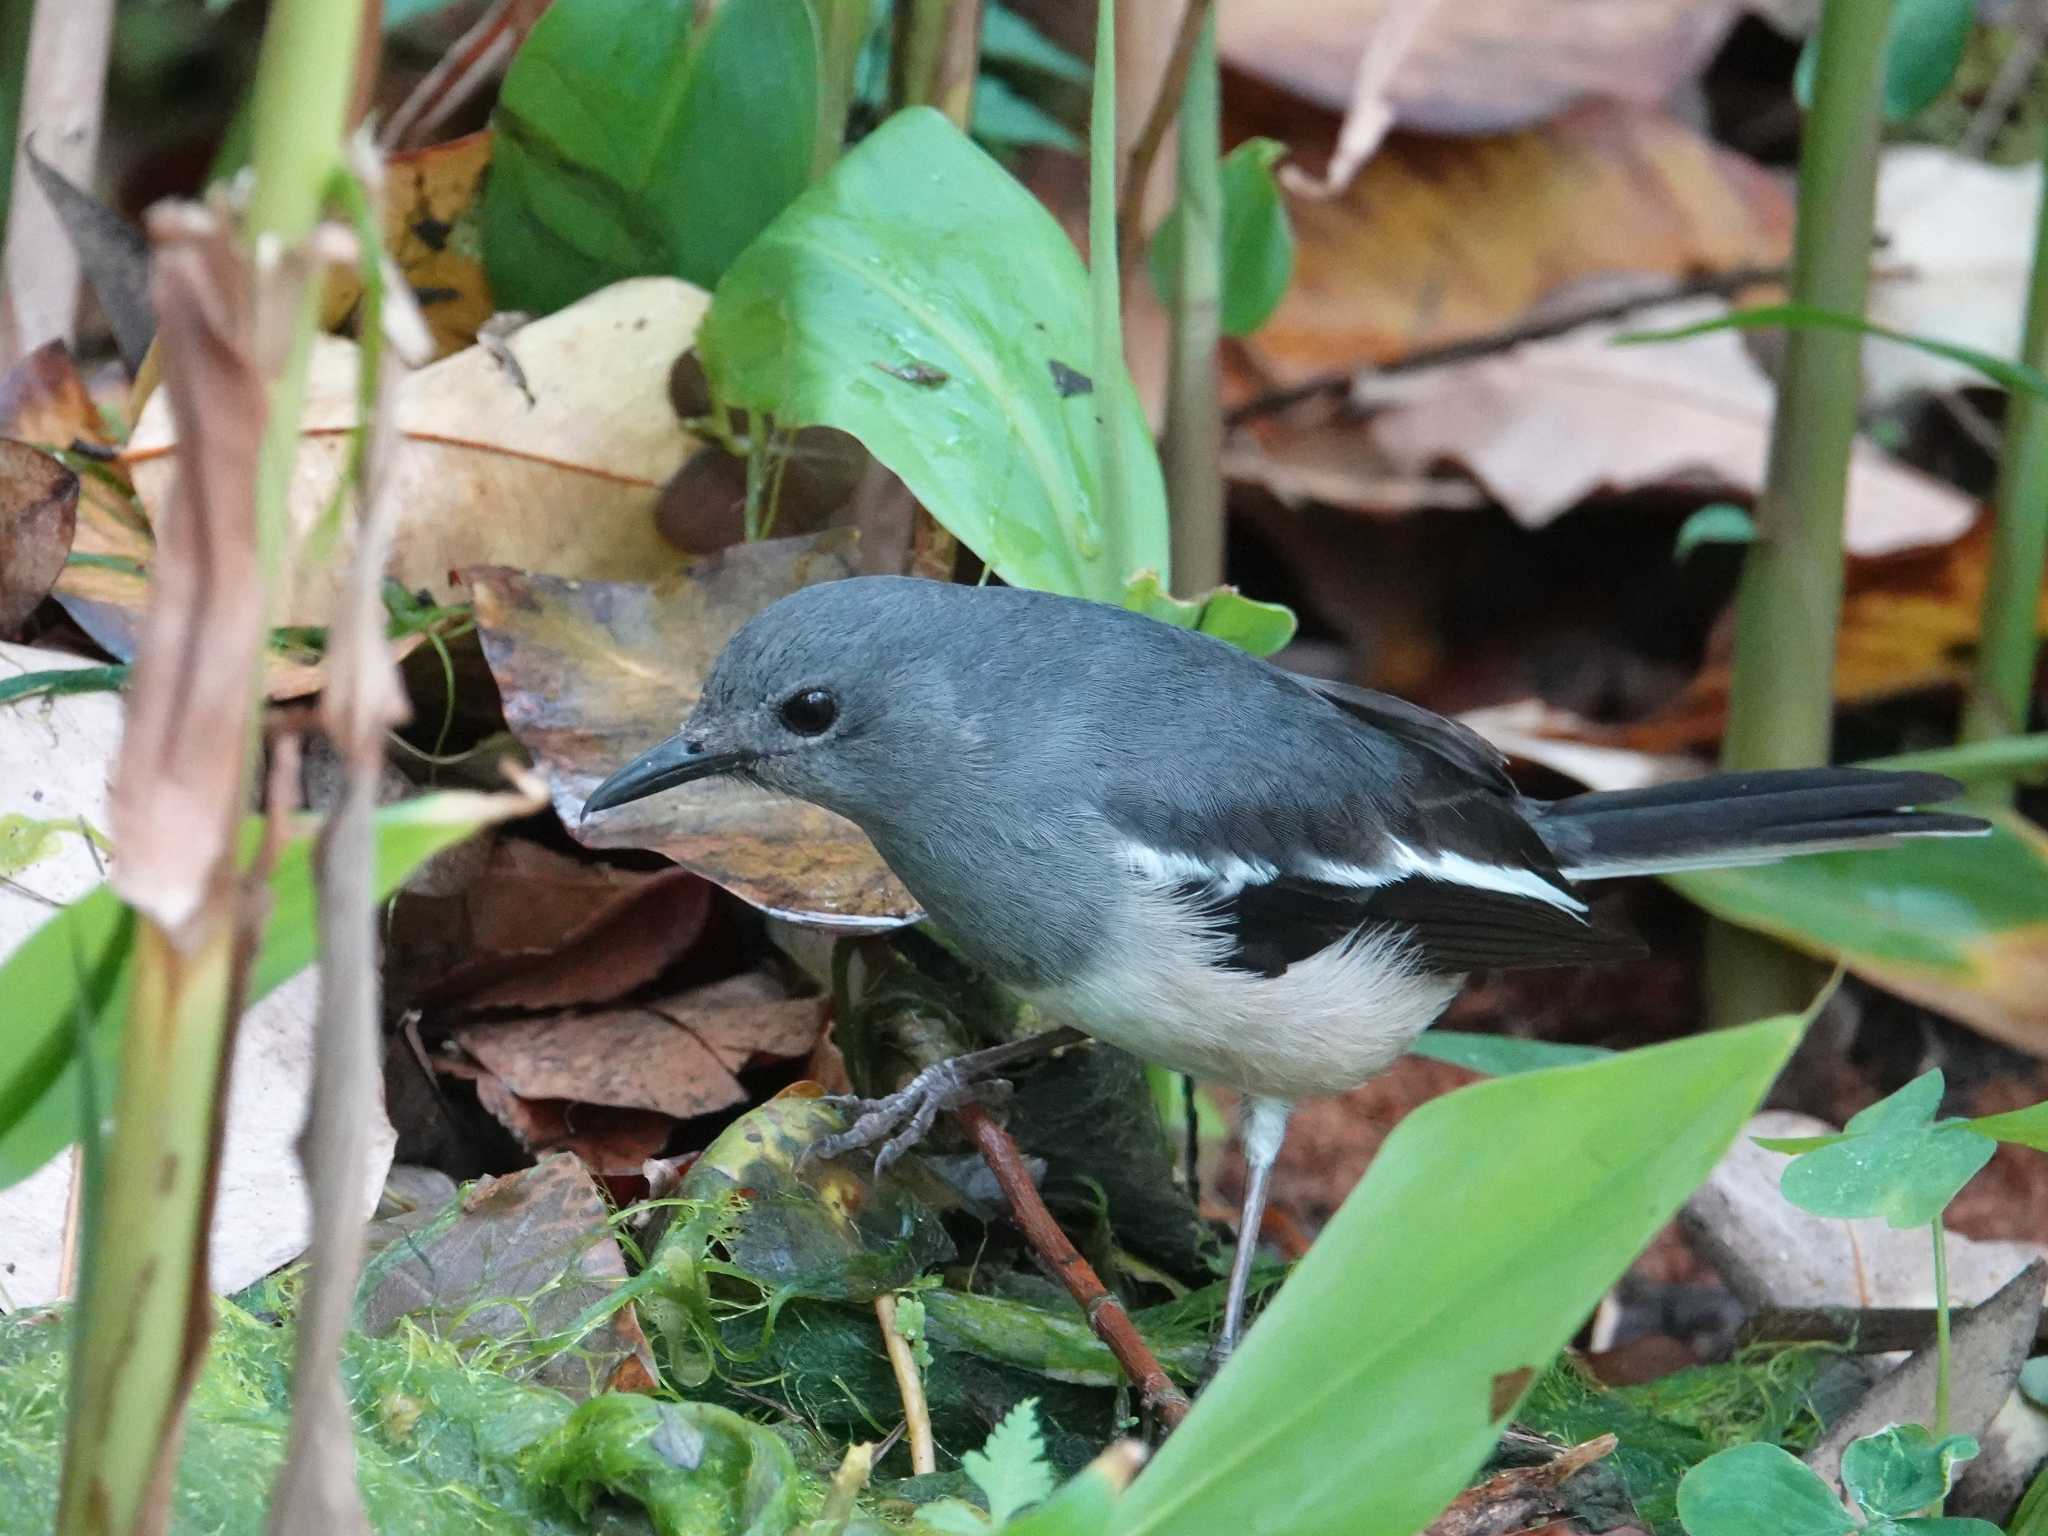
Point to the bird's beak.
(675, 761)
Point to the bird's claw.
(900, 1120)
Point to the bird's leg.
(1265, 1128)
(900, 1120)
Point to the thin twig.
(1106, 1315)
(1339, 381)
(2010, 84)
(1130, 216)
(917, 1414)
(1519, 1498)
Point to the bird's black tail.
(1745, 818)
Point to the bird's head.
(835, 694)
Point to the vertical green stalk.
(1105, 286)
(2008, 633)
(936, 52)
(1194, 405)
(1941, 1347)
(1789, 603)
(842, 33)
(145, 1325)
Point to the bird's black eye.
(810, 711)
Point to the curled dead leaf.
(592, 672)
(38, 515)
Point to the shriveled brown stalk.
(1106, 1315)
(1520, 1498)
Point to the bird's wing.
(1424, 835)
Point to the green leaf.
(632, 140)
(1935, 1525)
(1086, 1505)
(1002, 116)
(28, 685)
(1759, 1490)
(2023, 1127)
(1501, 1055)
(1226, 613)
(1010, 1469)
(1901, 1470)
(2034, 1381)
(87, 946)
(1924, 45)
(1955, 923)
(694, 1467)
(1720, 522)
(1008, 39)
(2018, 378)
(919, 298)
(1487, 1227)
(1892, 1160)
(1258, 240)
(1998, 761)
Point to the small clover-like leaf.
(1902, 1468)
(1011, 1469)
(1892, 1160)
(1759, 1490)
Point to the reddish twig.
(1106, 1315)
(1130, 213)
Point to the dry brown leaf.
(556, 472)
(612, 1143)
(1546, 425)
(529, 1253)
(629, 1058)
(538, 929)
(430, 202)
(1417, 255)
(746, 1019)
(179, 788)
(44, 401)
(1478, 68)
(592, 672)
(38, 515)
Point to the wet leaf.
(38, 515)
(814, 1228)
(620, 133)
(515, 1263)
(558, 470)
(592, 672)
(1959, 925)
(865, 274)
(1411, 257)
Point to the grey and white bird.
(1256, 878)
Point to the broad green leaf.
(1907, 1177)
(1486, 1229)
(1959, 924)
(1007, 38)
(1900, 1470)
(1925, 44)
(1759, 1490)
(1258, 240)
(1720, 522)
(1937, 1525)
(2024, 1127)
(2018, 378)
(1226, 613)
(86, 948)
(1501, 1055)
(1010, 1469)
(1912, 1107)
(919, 298)
(631, 139)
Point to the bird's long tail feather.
(1729, 819)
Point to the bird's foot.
(900, 1120)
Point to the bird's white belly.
(1324, 1025)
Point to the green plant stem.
(842, 31)
(2001, 692)
(1105, 286)
(1941, 1345)
(1789, 602)
(1194, 403)
(936, 55)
